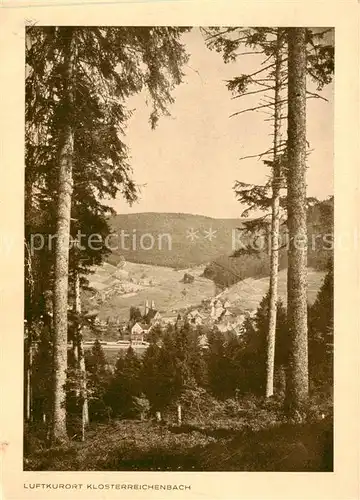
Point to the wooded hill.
(223, 266)
(229, 269)
(185, 251)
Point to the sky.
(190, 162)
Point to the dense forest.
(228, 269)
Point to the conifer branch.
(316, 96)
(249, 93)
(256, 108)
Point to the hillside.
(201, 247)
(177, 240)
(225, 270)
(181, 241)
(115, 290)
(113, 294)
(247, 294)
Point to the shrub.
(141, 407)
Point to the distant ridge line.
(182, 213)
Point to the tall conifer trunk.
(275, 224)
(80, 359)
(297, 383)
(28, 376)
(65, 187)
(29, 287)
(28, 354)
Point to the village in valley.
(130, 304)
(211, 313)
(125, 304)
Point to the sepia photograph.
(178, 248)
(179, 241)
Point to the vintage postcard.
(180, 287)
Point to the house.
(195, 317)
(169, 319)
(138, 330)
(217, 310)
(180, 322)
(188, 278)
(225, 327)
(204, 341)
(238, 330)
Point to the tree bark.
(179, 414)
(29, 289)
(28, 376)
(65, 187)
(297, 383)
(275, 225)
(80, 359)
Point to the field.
(163, 285)
(135, 274)
(247, 294)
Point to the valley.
(115, 291)
(155, 251)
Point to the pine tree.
(173, 367)
(297, 382)
(98, 380)
(155, 334)
(78, 81)
(216, 363)
(321, 333)
(131, 371)
(233, 374)
(268, 82)
(153, 378)
(125, 385)
(188, 366)
(170, 364)
(261, 325)
(135, 314)
(96, 361)
(63, 210)
(41, 378)
(80, 357)
(277, 181)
